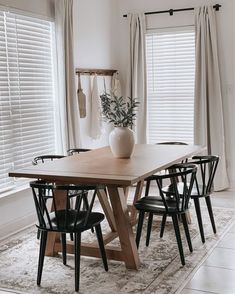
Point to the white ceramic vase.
(122, 142)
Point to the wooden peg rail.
(93, 71)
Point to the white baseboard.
(16, 225)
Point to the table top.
(98, 166)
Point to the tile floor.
(217, 272)
(216, 275)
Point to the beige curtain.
(116, 88)
(136, 86)
(95, 113)
(209, 124)
(67, 99)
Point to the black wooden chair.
(152, 178)
(203, 187)
(73, 151)
(47, 158)
(207, 166)
(173, 204)
(65, 220)
(41, 159)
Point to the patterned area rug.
(160, 272)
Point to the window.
(27, 124)
(170, 58)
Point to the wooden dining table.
(99, 166)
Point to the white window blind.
(170, 56)
(27, 125)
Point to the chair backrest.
(73, 151)
(207, 166)
(172, 143)
(182, 178)
(44, 158)
(65, 219)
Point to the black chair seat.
(69, 217)
(156, 205)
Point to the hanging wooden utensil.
(81, 99)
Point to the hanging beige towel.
(95, 115)
(116, 86)
(81, 99)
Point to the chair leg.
(63, 242)
(101, 245)
(159, 182)
(178, 238)
(139, 228)
(71, 234)
(38, 234)
(76, 203)
(77, 248)
(41, 205)
(185, 224)
(209, 207)
(163, 225)
(199, 218)
(150, 221)
(42, 249)
(85, 201)
(147, 188)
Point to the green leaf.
(119, 110)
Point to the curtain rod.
(171, 11)
(93, 71)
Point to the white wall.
(94, 33)
(17, 210)
(95, 47)
(226, 37)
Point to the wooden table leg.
(138, 192)
(60, 200)
(126, 192)
(120, 223)
(124, 229)
(188, 217)
(103, 198)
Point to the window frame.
(19, 184)
(161, 30)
